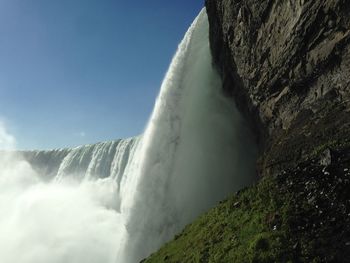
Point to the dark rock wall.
(287, 63)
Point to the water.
(102, 160)
(120, 201)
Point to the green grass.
(248, 227)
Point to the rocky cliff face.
(287, 63)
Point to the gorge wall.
(287, 63)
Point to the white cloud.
(7, 141)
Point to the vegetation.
(300, 215)
(240, 229)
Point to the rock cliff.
(287, 63)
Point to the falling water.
(196, 149)
(120, 201)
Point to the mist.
(57, 221)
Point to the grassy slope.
(301, 215)
(240, 229)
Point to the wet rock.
(326, 157)
(295, 246)
(331, 24)
(287, 65)
(236, 204)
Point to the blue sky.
(82, 71)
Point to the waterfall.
(120, 201)
(196, 149)
(101, 160)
